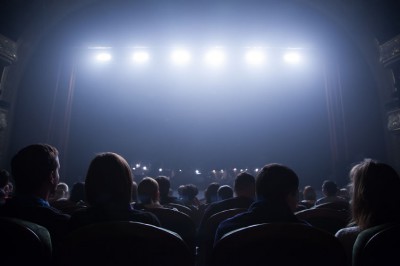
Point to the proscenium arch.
(59, 11)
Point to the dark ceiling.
(383, 16)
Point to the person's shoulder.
(145, 217)
(344, 232)
(52, 212)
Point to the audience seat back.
(330, 220)
(24, 243)
(336, 205)
(278, 244)
(379, 245)
(124, 243)
(206, 241)
(177, 222)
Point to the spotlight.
(103, 57)
(197, 172)
(180, 57)
(144, 168)
(255, 56)
(160, 170)
(256, 170)
(140, 57)
(292, 57)
(215, 57)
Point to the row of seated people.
(108, 198)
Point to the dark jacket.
(258, 213)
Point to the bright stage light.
(160, 170)
(255, 56)
(215, 57)
(140, 57)
(103, 57)
(180, 57)
(292, 57)
(198, 172)
(144, 168)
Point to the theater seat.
(330, 220)
(278, 244)
(206, 240)
(336, 205)
(24, 243)
(378, 245)
(177, 222)
(124, 243)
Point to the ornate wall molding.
(8, 51)
(390, 51)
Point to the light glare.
(215, 57)
(141, 57)
(292, 57)
(255, 57)
(103, 57)
(180, 57)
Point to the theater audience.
(244, 187)
(330, 190)
(210, 193)
(35, 170)
(74, 202)
(277, 196)
(61, 192)
(135, 197)
(375, 200)
(149, 194)
(309, 197)
(164, 186)
(77, 195)
(225, 192)
(108, 188)
(188, 196)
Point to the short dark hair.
(211, 192)
(225, 192)
(163, 185)
(275, 181)
(77, 192)
(309, 193)
(108, 180)
(243, 181)
(329, 187)
(147, 190)
(31, 166)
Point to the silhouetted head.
(148, 190)
(109, 181)
(278, 184)
(309, 193)
(211, 192)
(225, 192)
(329, 188)
(77, 192)
(376, 197)
(164, 185)
(245, 185)
(34, 167)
